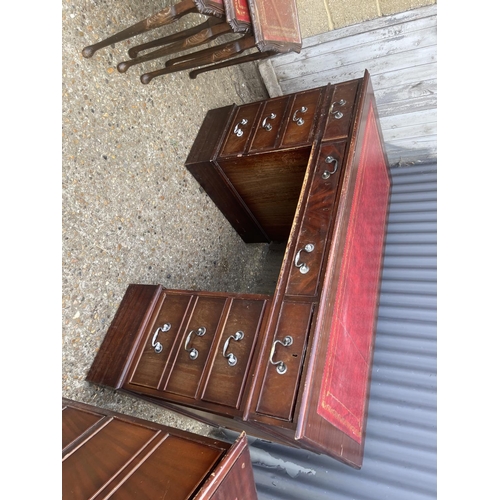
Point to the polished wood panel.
(159, 342)
(283, 365)
(270, 124)
(195, 346)
(340, 110)
(302, 118)
(241, 129)
(320, 207)
(131, 458)
(230, 366)
(119, 344)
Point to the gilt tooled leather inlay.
(241, 10)
(278, 21)
(344, 385)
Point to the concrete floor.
(131, 212)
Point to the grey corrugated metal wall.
(400, 459)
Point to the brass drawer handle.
(338, 114)
(193, 353)
(268, 126)
(237, 130)
(231, 358)
(280, 365)
(303, 267)
(157, 346)
(299, 121)
(327, 173)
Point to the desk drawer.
(270, 124)
(282, 373)
(240, 130)
(340, 110)
(318, 216)
(158, 343)
(302, 118)
(194, 348)
(233, 351)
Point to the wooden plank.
(361, 54)
(410, 131)
(400, 33)
(420, 117)
(404, 76)
(406, 92)
(409, 16)
(320, 77)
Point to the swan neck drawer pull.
(231, 358)
(338, 114)
(280, 365)
(327, 173)
(193, 353)
(268, 126)
(296, 119)
(237, 130)
(157, 346)
(303, 267)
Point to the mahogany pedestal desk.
(293, 367)
(105, 454)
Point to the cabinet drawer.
(159, 341)
(240, 130)
(340, 111)
(318, 216)
(302, 118)
(233, 352)
(270, 123)
(195, 345)
(282, 374)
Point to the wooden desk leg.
(175, 37)
(237, 60)
(202, 57)
(161, 18)
(193, 41)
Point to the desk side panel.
(118, 346)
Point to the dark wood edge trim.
(221, 470)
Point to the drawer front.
(282, 376)
(158, 344)
(195, 345)
(233, 353)
(239, 133)
(270, 123)
(300, 126)
(340, 111)
(318, 216)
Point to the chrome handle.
(326, 173)
(338, 114)
(157, 346)
(299, 121)
(303, 268)
(193, 353)
(268, 126)
(231, 358)
(237, 130)
(280, 365)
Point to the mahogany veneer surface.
(308, 169)
(106, 453)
